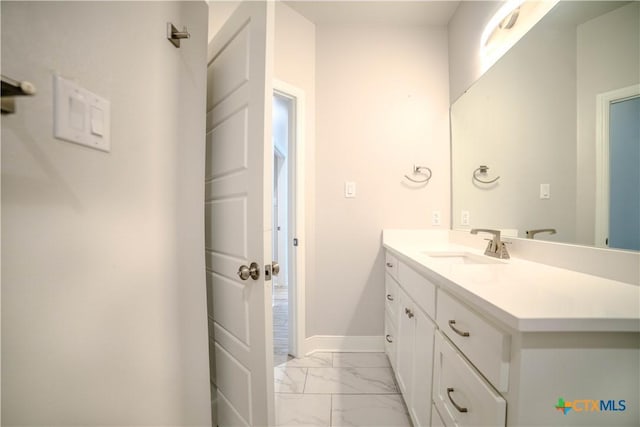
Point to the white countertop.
(526, 296)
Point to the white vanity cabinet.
(509, 344)
(412, 334)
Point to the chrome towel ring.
(482, 170)
(420, 170)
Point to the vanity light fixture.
(504, 19)
(508, 25)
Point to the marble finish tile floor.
(338, 389)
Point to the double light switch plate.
(81, 116)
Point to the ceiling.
(416, 12)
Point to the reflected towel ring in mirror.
(483, 170)
(420, 170)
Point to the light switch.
(349, 189)
(81, 116)
(76, 112)
(97, 121)
(545, 191)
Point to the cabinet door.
(436, 420)
(420, 401)
(404, 345)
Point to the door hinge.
(295, 241)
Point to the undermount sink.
(461, 258)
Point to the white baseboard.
(344, 344)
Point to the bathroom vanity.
(475, 340)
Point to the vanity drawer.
(391, 265)
(486, 346)
(391, 297)
(422, 291)
(390, 334)
(461, 396)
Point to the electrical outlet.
(435, 218)
(464, 218)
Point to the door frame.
(278, 155)
(603, 102)
(296, 217)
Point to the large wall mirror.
(549, 137)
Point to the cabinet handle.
(408, 312)
(459, 408)
(388, 338)
(389, 297)
(456, 330)
(390, 265)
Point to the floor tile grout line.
(306, 375)
(331, 410)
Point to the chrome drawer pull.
(388, 338)
(389, 265)
(408, 312)
(459, 408)
(456, 330)
(389, 297)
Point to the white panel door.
(238, 214)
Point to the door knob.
(275, 268)
(252, 271)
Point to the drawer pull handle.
(408, 312)
(390, 265)
(388, 338)
(389, 297)
(459, 408)
(456, 330)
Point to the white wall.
(103, 287)
(519, 119)
(295, 65)
(601, 69)
(382, 106)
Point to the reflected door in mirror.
(624, 170)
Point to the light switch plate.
(349, 189)
(81, 116)
(545, 191)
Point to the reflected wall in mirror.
(533, 120)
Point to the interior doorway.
(284, 239)
(617, 175)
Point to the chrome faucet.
(496, 247)
(531, 233)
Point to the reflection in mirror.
(540, 119)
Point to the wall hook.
(174, 36)
(482, 170)
(420, 170)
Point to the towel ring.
(420, 170)
(483, 170)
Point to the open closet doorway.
(288, 222)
